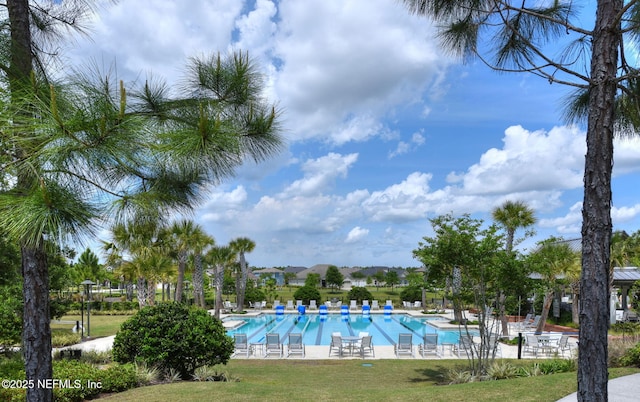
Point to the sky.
(384, 130)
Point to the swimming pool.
(316, 329)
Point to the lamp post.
(87, 288)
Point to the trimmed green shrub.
(118, 378)
(76, 375)
(306, 293)
(359, 294)
(555, 366)
(411, 294)
(173, 336)
(254, 295)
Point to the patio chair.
(563, 345)
(389, 303)
(295, 345)
(298, 304)
(336, 343)
(366, 346)
(404, 345)
(227, 307)
(365, 303)
(531, 344)
(241, 345)
(429, 345)
(465, 344)
(417, 305)
(289, 304)
(312, 305)
(375, 305)
(493, 344)
(273, 345)
(630, 316)
(353, 305)
(276, 303)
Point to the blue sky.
(384, 130)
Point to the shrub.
(411, 294)
(359, 293)
(78, 375)
(307, 293)
(501, 370)
(555, 366)
(118, 378)
(254, 295)
(173, 336)
(631, 357)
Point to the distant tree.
(221, 257)
(288, 277)
(511, 215)
(391, 278)
(313, 279)
(379, 277)
(334, 277)
(241, 246)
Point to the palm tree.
(242, 245)
(199, 243)
(221, 257)
(182, 236)
(511, 215)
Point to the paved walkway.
(621, 389)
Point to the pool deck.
(322, 352)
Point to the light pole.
(87, 288)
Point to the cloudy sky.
(384, 130)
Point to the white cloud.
(356, 234)
(320, 174)
(529, 161)
(405, 201)
(417, 140)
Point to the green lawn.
(101, 325)
(355, 380)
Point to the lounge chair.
(365, 303)
(336, 343)
(533, 324)
(493, 344)
(273, 345)
(389, 303)
(227, 307)
(417, 305)
(429, 345)
(465, 344)
(312, 305)
(295, 345)
(375, 305)
(298, 304)
(289, 304)
(241, 345)
(366, 346)
(353, 305)
(404, 345)
(276, 303)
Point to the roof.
(626, 275)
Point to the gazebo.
(624, 278)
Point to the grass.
(101, 325)
(355, 380)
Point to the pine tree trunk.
(596, 207)
(36, 330)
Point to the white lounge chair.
(531, 344)
(353, 305)
(273, 345)
(365, 303)
(241, 345)
(276, 303)
(312, 305)
(375, 305)
(404, 345)
(465, 344)
(429, 345)
(295, 345)
(289, 305)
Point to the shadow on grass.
(432, 375)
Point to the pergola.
(624, 278)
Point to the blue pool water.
(316, 329)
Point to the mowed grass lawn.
(101, 325)
(355, 380)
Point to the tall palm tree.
(221, 257)
(512, 215)
(199, 243)
(182, 234)
(242, 245)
